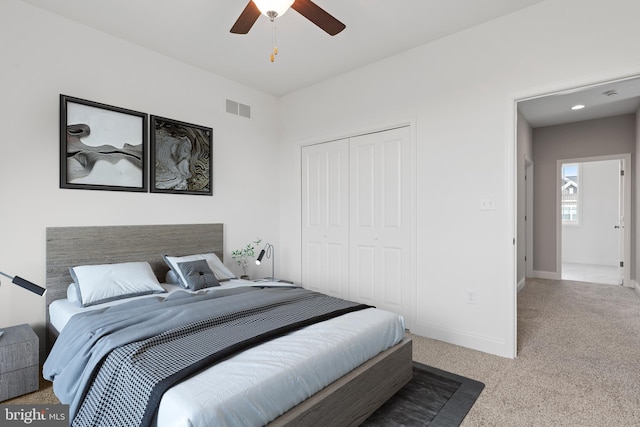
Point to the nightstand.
(19, 361)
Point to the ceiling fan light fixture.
(267, 7)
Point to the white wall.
(459, 93)
(594, 240)
(43, 56)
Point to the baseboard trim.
(551, 275)
(521, 284)
(636, 286)
(482, 343)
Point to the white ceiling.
(598, 101)
(197, 32)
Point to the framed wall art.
(181, 157)
(102, 147)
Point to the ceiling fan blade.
(318, 16)
(247, 18)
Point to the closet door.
(380, 220)
(325, 218)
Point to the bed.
(347, 400)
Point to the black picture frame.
(102, 147)
(181, 157)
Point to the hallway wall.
(635, 242)
(525, 151)
(589, 138)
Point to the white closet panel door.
(380, 225)
(325, 218)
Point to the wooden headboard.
(71, 246)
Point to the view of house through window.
(570, 198)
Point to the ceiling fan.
(276, 8)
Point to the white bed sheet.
(261, 383)
(60, 311)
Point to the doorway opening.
(534, 257)
(592, 233)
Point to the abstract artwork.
(181, 157)
(102, 147)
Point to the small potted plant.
(241, 256)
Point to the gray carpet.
(578, 360)
(432, 398)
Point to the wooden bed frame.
(346, 402)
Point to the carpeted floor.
(578, 360)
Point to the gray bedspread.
(112, 365)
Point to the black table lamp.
(25, 284)
(270, 253)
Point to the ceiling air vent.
(238, 109)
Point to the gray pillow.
(198, 275)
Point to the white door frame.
(623, 219)
(528, 234)
(626, 157)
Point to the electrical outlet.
(472, 297)
(488, 204)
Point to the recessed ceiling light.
(578, 107)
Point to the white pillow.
(72, 293)
(218, 268)
(108, 282)
(171, 278)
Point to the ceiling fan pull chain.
(272, 14)
(274, 52)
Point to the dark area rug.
(432, 398)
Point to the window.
(570, 194)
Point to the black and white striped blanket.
(122, 381)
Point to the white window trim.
(579, 206)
